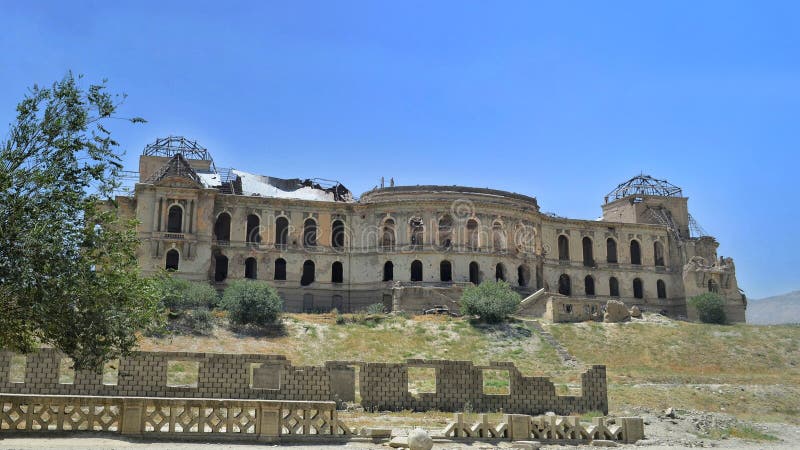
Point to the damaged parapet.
(718, 275)
(195, 162)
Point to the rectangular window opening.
(111, 373)
(496, 382)
(421, 380)
(66, 371)
(265, 376)
(16, 371)
(183, 374)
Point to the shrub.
(492, 301)
(180, 294)
(197, 321)
(375, 308)
(710, 307)
(251, 303)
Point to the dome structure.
(644, 185)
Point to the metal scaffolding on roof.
(644, 185)
(172, 145)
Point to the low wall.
(384, 386)
(459, 386)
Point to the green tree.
(710, 307)
(179, 294)
(492, 301)
(251, 302)
(68, 271)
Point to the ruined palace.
(416, 247)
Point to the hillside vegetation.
(745, 370)
(752, 372)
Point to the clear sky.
(560, 100)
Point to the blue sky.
(560, 100)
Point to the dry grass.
(311, 339)
(749, 371)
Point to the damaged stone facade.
(416, 247)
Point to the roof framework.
(172, 145)
(644, 185)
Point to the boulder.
(418, 439)
(526, 445)
(399, 442)
(376, 433)
(603, 443)
(616, 312)
(635, 312)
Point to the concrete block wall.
(383, 386)
(459, 386)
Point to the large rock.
(635, 312)
(616, 312)
(418, 439)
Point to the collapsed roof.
(239, 182)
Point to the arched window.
(309, 233)
(280, 269)
(337, 273)
(588, 254)
(564, 285)
(474, 273)
(387, 237)
(337, 302)
(636, 252)
(173, 259)
(250, 268)
(613, 287)
(308, 273)
(281, 232)
(611, 251)
(220, 268)
(563, 248)
(500, 272)
(523, 275)
(445, 271)
(388, 271)
(658, 253)
(713, 286)
(175, 219)
(638, 290)
(337, 234)
(498, 237)
(472, 234)
(416, 270)
(253, 229)
(661, 288)
(222, 227)
(446, 232)
(417, 232)
(588, 285)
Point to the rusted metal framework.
(644, 185)
(171, 145)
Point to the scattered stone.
(670, 412)
(418, 439)
(616, 311)
(399, 442)
(603, 443)
(635, 312)
(526, 445)
(376, 433)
